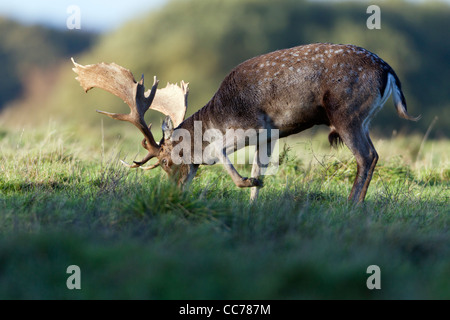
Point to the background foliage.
(201, 41)
(25, 50)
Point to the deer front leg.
(260, 163)
(256, 172)
(239, 181)
(188, 176)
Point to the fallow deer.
(290, 90)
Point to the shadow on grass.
(33, 186)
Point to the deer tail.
(399, 98)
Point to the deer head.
(171, 101)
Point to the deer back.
(294, 89)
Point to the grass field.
(136, 236)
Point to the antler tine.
(138, 110)
(136, 116)
(120, 82)
(149, 96)
(135, 165)
(129, 165)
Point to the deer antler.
(120, 82)
(172, 101)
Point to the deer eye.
(164, 162)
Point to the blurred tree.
(25, 48)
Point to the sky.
(94, 15)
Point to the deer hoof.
(251, 182)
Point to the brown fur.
(291, 90)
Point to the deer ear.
(167, 128)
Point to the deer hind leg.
(359, 143)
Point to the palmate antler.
(171, 101)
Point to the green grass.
(135, 235)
